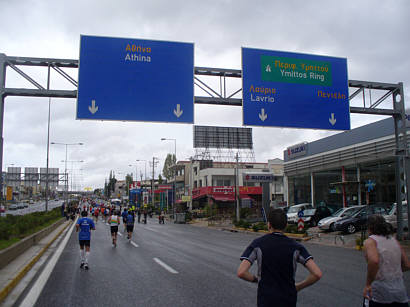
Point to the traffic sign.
(301, 213)
(135, 80)
(287, 89)
(301, 224)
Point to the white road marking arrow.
(332, 120)
(262, 115)
(93, 108)
(178, 112)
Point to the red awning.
(223, 197)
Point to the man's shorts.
(114, 229)
(130, 228)
(84, 242)
(124, 220)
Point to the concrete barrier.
(10, 253)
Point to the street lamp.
(175, 173)
(139, 160)
(72, 169)
(65, 166)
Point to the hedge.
(19, 226)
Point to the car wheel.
(332, 227)
(351, 228)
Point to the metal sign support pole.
(2, 97)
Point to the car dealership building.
(350, 168)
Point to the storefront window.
(377, 182)
(299, 190)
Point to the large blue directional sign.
(135, 80)
(285, 89)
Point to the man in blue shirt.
(277, 257)
(84, 226)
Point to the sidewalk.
(315, 235)
(15, 276)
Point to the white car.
(293, 211)
(328, 223)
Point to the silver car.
(328, 223)
(391, 217)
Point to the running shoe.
(81, 265)
(86, 266)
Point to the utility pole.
(236, 188)
(152, 180)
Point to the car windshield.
(393, 209)
(294, 209)
(338, 212)
(309, 212)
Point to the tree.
(168, 170)
(128, 181)
(160, 179)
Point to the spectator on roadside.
(277, 256)
(386, 262)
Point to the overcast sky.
(372, 35)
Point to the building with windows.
(203, 182)
(350, 168)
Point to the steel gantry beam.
(218, 96)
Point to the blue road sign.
(135, 80)
(301, 214)
(285, 89)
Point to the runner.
(84, 226)
(130, 224)
(139, 215)
(96, 213)
(277, 256)
(114, 221)
(124, 218)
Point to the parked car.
(328, 223)
(293, 211)
(359, 219)
(391, 217)
(313, 216)
(13, 207)
(2, 209)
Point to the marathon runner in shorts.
(84, 226)
(124, 218)
(130, 224)
(114, 222)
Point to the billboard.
(285, 89)
(31, 176)
(53, 174)
(13, 176)
(222, 137)
(135, 80)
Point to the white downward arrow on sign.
(262, 115)
(178, 112)
(332, 120)
(93, 108)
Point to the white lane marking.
(165, 266)
(120, 234)
(135, 244)
(35, 291)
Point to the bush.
(259, 226)
(242, 224)
(18, 226)
(292, 228)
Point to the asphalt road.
(184, 265)
(37, 206)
